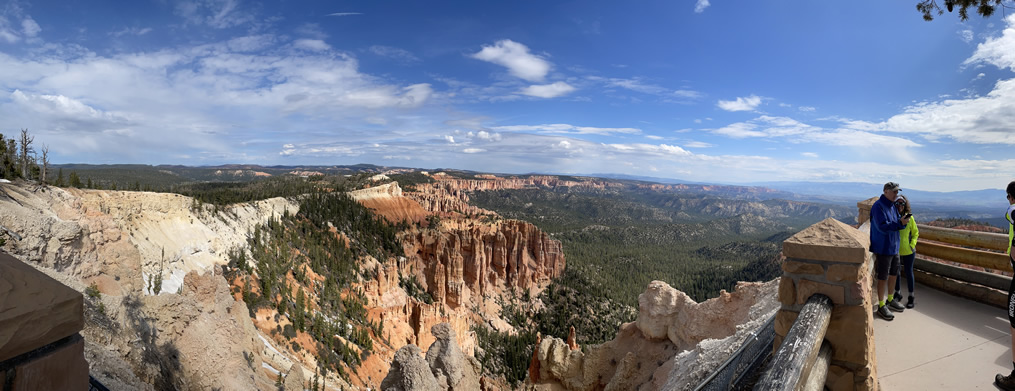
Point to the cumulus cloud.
(548, 90)
(516, 58)
(700, 6)
(997, 51)
(741, 104)
(473, 150)
(566, 129)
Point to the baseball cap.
(892, 186)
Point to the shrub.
(93, 291)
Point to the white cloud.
(966, 35)
(473, 150)
(316, 45)
(548, 90)
(636, 84)
(131, 31)
(400, 55)
(998, 51)
(29, 27)
(219, 14)
(566, 129)
(487, 136)
(806, 108)
(688, 94)
(809, 154)
(653, 137)
(853, 134)
(450, 139)
(700, 6)
(345, 13)
(516, 58)
(697, 144)
(741, 104)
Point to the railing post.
(864, 210)
(832, 258)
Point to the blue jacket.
(885, 227)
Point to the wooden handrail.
(968, 256)
(792, 364)
(988, 240)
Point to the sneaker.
(895, 306)
(885, 313)
(910, 303)
(1005, 382)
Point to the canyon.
(192, 330)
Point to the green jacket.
(907, 237)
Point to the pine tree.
(298, 312)
(75, 181)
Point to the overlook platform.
(944, 343)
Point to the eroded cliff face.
(448, 194)
(673, 345)
(466, 265)
(118, 238)
(197, 336)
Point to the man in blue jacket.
(885, 226)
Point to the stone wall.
(864, 210)
(832, 258)
(40, 348)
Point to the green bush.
(93, 291)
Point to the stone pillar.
(831, 258)
(864, 210)
(40, 348)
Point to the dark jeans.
(907, 272)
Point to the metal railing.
(735, 370)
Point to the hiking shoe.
(895, 306)
(886, 314)
(1005, 382)
(910, 303)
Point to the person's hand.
(904, 221)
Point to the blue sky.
(700, 90)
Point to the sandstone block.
(63, 368)
(784, 321)
(35, 310)
(798, 267)
(787, 291)
(807, 288)
(840, 273)
(828, 240)
(839, 379)
(851, 334)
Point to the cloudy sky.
(699, 90)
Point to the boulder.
(409, 372)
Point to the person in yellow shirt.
(907, 251)
(1002, 381)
